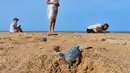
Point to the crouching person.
(98, 28)
(14, 27)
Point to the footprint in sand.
(17, 43)
(8, 38)
(28, 37)
(103, 49)
(118, 42)
(102, 39)
(2, 42)
(20, 35)
(0, 38)
(41, 48)
(1, 48)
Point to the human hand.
(57, 4)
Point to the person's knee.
(53, 19)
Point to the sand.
(26, 53)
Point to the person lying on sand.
(52, 13)
(98, 28)
(14, 27)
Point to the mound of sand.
(25, 53)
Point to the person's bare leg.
(53, 25)
(20, 30)
(50, 25)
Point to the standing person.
(14, 27)
(52, 13)
(98, 28)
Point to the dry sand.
(26, 53)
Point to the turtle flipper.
(70, 64)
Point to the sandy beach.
(26, 53)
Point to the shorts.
(90, 31)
